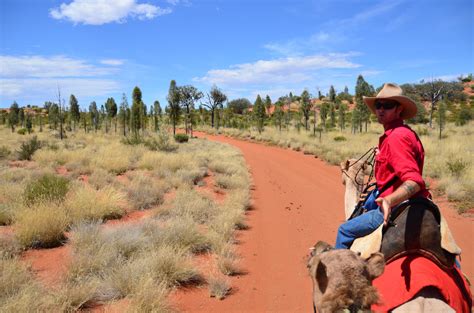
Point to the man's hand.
(386, 208)
(402, 193)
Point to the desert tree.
(123, 113)
(174, 108)
(441, 118)
(278, 115)
(94, 115)
(188, 96)
(259, 113)
(464, 114)
(362, 89)
(268, 103)
(323, 113)
(28, 124)
(332, 115)
(21, 117)
(215, 101)
(111, 109)
(53, 116)
(13, 115)
(156, 111)
(332, 94)
(239, 106)
(305, 107)
(341, 112)
(136, 118)
(74, 110)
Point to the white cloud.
(55, 66)
(299, 46)
(29, 78)
(289, 70)
(98, 12)
(114, 62)
(31, 89)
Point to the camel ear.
(375, 265)
(320, 247)
(321, 277)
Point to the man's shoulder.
(402, 132)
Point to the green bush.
(4, 152)
(161, 142)
(28, 148)
(47, 187)
(340, 138)
(132, 140)
(457, 167)
(22, 131)
(181, 138)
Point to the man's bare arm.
(402, 193)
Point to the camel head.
(342, 279)
(354, 170)
(353, 173)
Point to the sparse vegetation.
(48, 187)
(28, 148)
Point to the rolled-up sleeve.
(403, 158)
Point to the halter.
(370, 161)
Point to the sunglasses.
(387, 105)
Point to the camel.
(342, 279)
(353, 175)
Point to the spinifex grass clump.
(143, 191)
(48, 187)
(28, 148)
(181, 138)
(86, 203)
(41, 225)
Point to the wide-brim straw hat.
(393, 92)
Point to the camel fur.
(342, 279)
(353, 174)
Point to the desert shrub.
(150, 296)
(9, 247)
(6, 214)
(230, 182)
(161, 142)
(85, 203)
(132, 140)
(219, 287)
(42, 225)
(184, 233)
(150, 160)
(340, 138)
(181, 138)
(48, 187)
(22, 131)
(143, 192)
(227, 260)
(100, 178)
(19, 292)
(28, 148)
(4, 152)
(190, 204)
(76, 295)
(456, 167)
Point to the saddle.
(414, 227)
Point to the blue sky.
(99, 49)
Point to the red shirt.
(401, 154)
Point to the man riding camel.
(398, 164)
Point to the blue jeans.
(358, 227)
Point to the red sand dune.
(298, 200)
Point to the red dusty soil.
(298, 200)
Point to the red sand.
(298, 200)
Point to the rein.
(370, 161)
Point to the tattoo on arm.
(409, 189)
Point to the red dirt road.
(298, 200)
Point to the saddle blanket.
(405, 277)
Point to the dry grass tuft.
(41, 225)
(85, 203)
(143, 192)
(219, 287)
